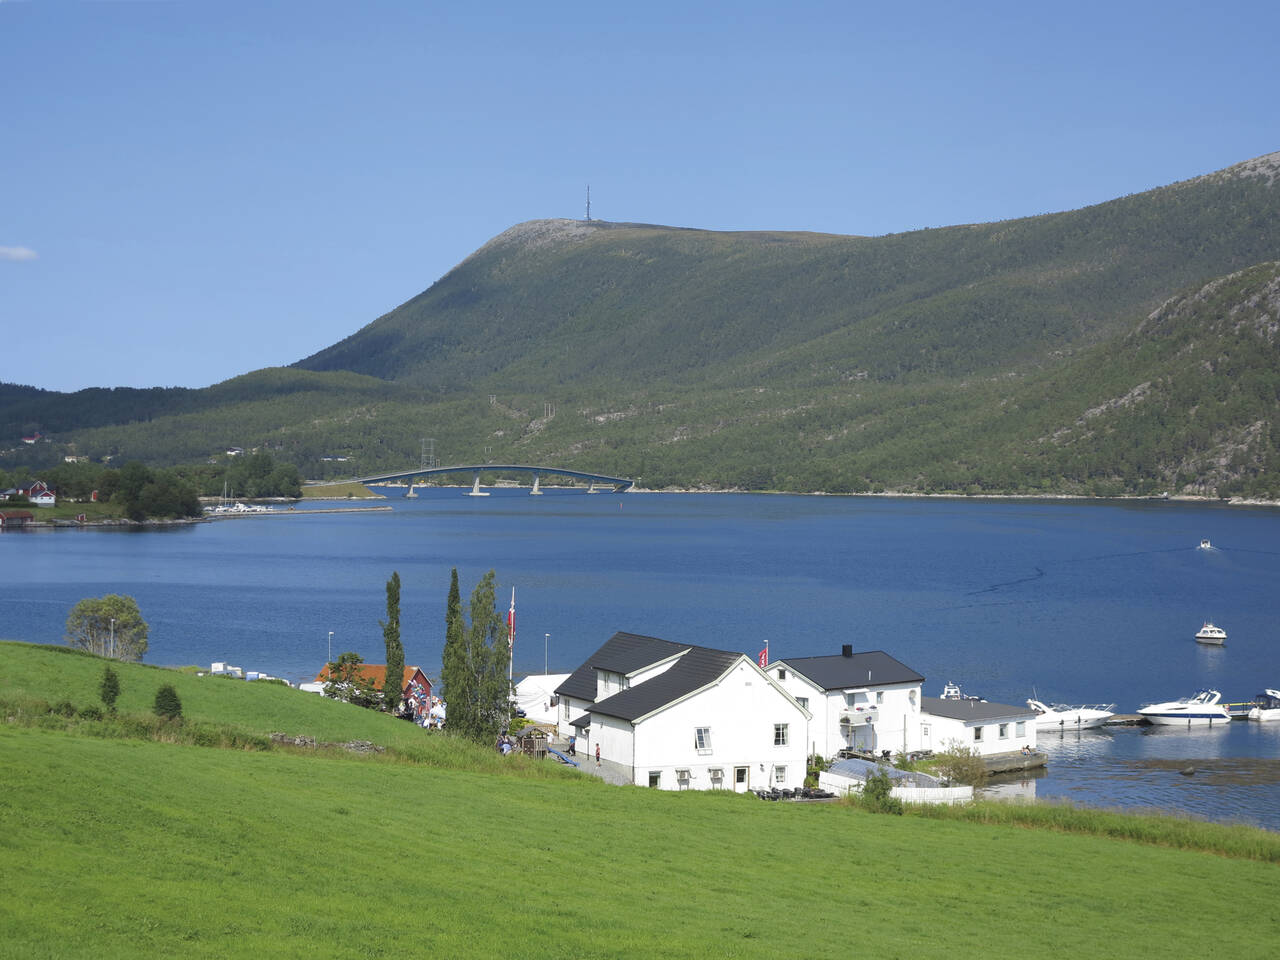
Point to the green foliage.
(167, 704)
(109, 689)
(474, 669)
(393, 682)
(109, 626)
(877, 796)
(344, 681)
(959, 764)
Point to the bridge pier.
(536, 491)
(410, 495)
(475, 486)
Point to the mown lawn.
(115, 847)
(130, 849)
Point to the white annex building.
(871, 703)
(682, 717)
(986, 728)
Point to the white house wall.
(895, 720)
(741, 712)
(944, 732)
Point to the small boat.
(1206, 545)
(1211, 634)
(951, 691)
(1060, 716)
(1201, 709)
(1266, 706)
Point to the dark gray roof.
(874, 667)
(697, 668)
(582, 721)
(622, 653)
(972, 709)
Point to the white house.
(682, 717)
(986, 728)
(859, 701)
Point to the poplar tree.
(474, 668)
(456, 675)
(393, 683)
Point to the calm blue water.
(1074, 601)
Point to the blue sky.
(191, 191)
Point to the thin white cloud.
(18, 253)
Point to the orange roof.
(377, 672)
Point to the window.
(779, 734)
(655, 778)
(779, 774)
(782, 674)
(1004, 731)
(879, 696)
(977, 734)
(564, 709)
(849, 698)
(1021, 728)
(912, 697)
(702, 739)
(803, 701)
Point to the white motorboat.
(1199, 710)
(1061, 716)
(1266, 706)
(1211, 634)
(1205, 544)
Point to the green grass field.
(116, 847)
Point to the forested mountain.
(1127, 347)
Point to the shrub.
(91, 712)
(960, 764)
(877, 794)
(64, 708)
(167, 704)
(109, 689)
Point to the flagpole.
(511, 636)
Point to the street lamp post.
(113, 638)
(330, 660)
(546, 642)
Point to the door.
(740, 779)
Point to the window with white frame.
(702, 739)
(1004, 731)
(782, 674)
(779, 774)
(803, 701)
(564, 709)
(1020, 728)
(977, 734)
(655, 778)
(879, 696)
(779, 734)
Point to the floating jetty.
(293, 512)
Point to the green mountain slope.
(1097, 351)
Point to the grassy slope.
(126, 849)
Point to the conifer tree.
(474, 669)
(456, 675)
(393, 683)
(109, 689)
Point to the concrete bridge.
(613, 484)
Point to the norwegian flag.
(511, 623)
(764, 657)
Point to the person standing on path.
(597, 754)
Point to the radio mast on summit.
(588, 202)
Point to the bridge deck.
(620, 483)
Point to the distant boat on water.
(1205, 544)
(1211, 635)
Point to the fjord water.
(1071, 601)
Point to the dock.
(1014, 760)
(292, 512)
